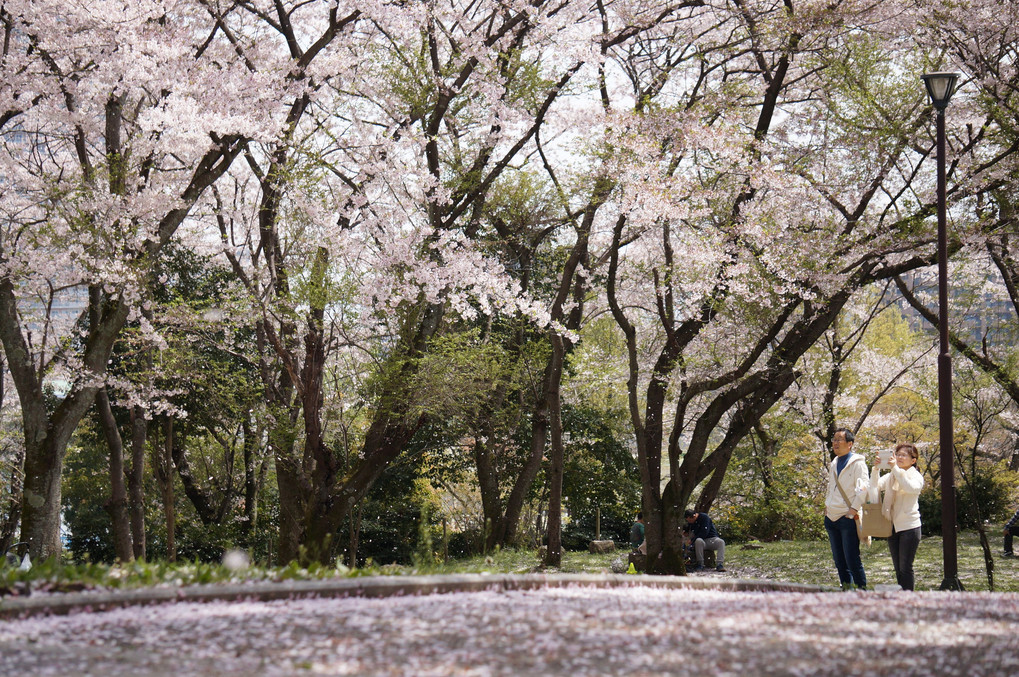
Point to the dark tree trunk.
(548, 407)
(47, 433)
(355, 535)
(251, 479)
(553, 553)
(290, 485)
(136, 481)
(505, 531)
(488, 486)
(386, 438)
(163, 466)
(117, 504)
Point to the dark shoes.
(701, 567)
(1007, 554)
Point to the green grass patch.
(806, 562)
(811, 562)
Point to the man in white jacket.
(848, 482)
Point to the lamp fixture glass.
(940, 87)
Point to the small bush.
(986, 497)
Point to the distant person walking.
(705, 537)
(1011, 529)
(847, 489)
(901, 505)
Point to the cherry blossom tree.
(402, 147)
(116, 118)
(757, 220)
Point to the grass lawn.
(811, 562)
(807, 562)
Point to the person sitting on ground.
(686, 540)
(1011, 529)
(704, 535)
(637, 541)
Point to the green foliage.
(600, 474)
(392, 513)
(54, 576)
(85, 487)
(771, 490)
(458, 374)
(424, 553)
(984, 498)
(772, 519)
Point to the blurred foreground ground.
(555, 631)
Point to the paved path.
(590, 625)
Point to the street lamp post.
(940, 87)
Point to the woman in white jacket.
(900, 504)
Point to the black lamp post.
(940, 87)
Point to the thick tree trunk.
(488, 486)
(47, 433)
(40, 521)
(671, 559)
(386, 438)
(291, 488)
(355, 535)
(117, 503)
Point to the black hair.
(689, 513)
(846, 433)
(640, 514)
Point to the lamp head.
(940, 87)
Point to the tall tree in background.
(405, 146)
(750, 267)
(115, 119)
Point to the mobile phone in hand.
(884, 459)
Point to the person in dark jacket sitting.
(702, 531)
(637, 535)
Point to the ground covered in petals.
(575, 631)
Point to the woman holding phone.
(901, 489)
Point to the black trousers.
(903, 545)
(1012, 531)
